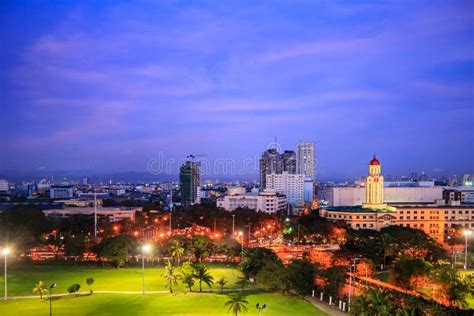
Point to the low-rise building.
(114, 214)
(268, 201)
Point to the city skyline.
(107, 87)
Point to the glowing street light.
(466, 233)
(5, 252)
(145, 249)
(260, 308)
(241, 235)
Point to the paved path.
(325, 307)
(21, 297)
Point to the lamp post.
(5, 252)
(145, 249)
(354, 260)
(233, 225)
(466, 234)
(241, 235)
(260, 308)
(51, 287)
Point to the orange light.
(135, 233)
(156, 220)
(116, 228)
(269, 226)
(216, 235)
(161, 235)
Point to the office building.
(291, 185)
(274, 162)
(113, 214)
(4, 186)
(61, 192)
(268, 201)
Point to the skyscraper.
(190, 182)
(274, 162)
(305, 155)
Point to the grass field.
(157, 304)
(21, 280)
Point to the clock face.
(376, 179)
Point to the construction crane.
(192, 156)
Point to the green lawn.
(21, 280)
(157, 304)
(471, 299)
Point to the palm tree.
(40, 288)
(176, 250)
(374, 302)
(202, 274)
(385, 246)
(171, 276)
(188, 279)
(242, 282)
(89, 282)
(237, 303)
(222, 282)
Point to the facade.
(4, 187)
(190, 182)
(308, 189)
(305, 156)
(291, 185)
(354, 196)
(61, 192)
(114, 214)
(268, 201)
(461, 194)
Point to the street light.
(233, 225)
(51, 287)
(241, 235)
(467, 233)
(5, 252)
(260, 308)
(145, 249)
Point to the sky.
(109, 86)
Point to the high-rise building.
(61, 192)
(274, 162)
(305, 156)
(291, 185)
(190, 182)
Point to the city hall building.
(435, 219)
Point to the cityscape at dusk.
(237, 158)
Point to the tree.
(202, 247)
(202, 274)
(301, 276)
(222, 282)
(254, 259)
(73, 288)
(455, 289)
(409, 267)
(228, 247)
(40, 288)
(171, 276)
(375, 302)
(116, 249)
(274, 276)
(187, 272)
(384, 246)
(89, 282)
(74, 246)
(176, 249)
(335, 278)
(237, 303)
(242, 282)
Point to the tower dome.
(374, 162)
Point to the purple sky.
(107, 85)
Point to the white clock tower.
(374, 187)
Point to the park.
(119, 291)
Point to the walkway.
(325, 307)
